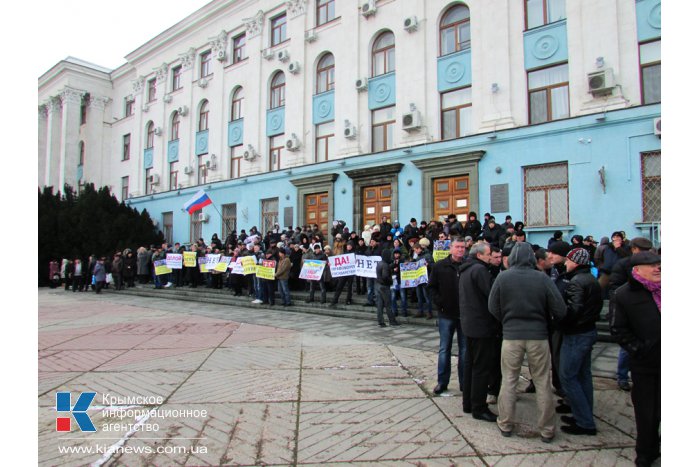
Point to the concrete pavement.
(241, 386)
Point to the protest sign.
(266, 270)
(441, 249)
(222, 264)
(248, 263)
(212, 261)
(366, 266)
(312, 270)
(413, 274)
(190, 258)
(173, 260)
(342, 265)
(202, 264)
(161, 267)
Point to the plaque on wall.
(499, 198)
(288, 216)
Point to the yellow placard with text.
(190, 258)
(264, 272)
(248, 263)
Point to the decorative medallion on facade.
(455, 71)
(382, 93)
(161, 73)
(654, 17)
(545, 47)
(253, 25)
(187, 59)
(296, 8)
(71, 96)
(137, 84)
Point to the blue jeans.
(394, 297)
(575, 375)
(424, 297)
(283, 287)
(259, 288)
(370, 291)
(623, 366)
(447, 328)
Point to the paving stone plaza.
(279, 388)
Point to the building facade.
(306, 111)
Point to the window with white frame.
(383, 123)
(239, 51)
(236, 156)
(325, 141)
(455, 30)
(125, 187)
(237, 104)
(546, 194)
(383, 54)
(456, 113)
(650, 68)
(278, 29)
(205, 64)
(276, 145)
(548, 93)
(541, 12)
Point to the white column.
(53, 143)
(70, 135)
(95, 142)
(42, 128)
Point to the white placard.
(366, 266)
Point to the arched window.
(237, 104)
(455, 30)
(277, 91)
(204, 116)
(175, 127)
(383, 54)
(150, 135)
(325, 74)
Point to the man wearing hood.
(524, 300)
(481, 330)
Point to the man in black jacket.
(524, 300)
(584, 300)
(383, 284)
(637, 324)
(444, 285)
(481, 330)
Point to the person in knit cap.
(636, 323)
(584, 300)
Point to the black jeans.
(339, 289)
(646, 399)
(478, 370)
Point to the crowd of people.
(502, 297)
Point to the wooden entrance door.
(376, 202)
(316, 206)
(451, 195)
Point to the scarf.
(653, 287)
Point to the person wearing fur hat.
(584, 300)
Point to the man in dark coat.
(481, 330)
(473, 227)
(444, 285)
(584, 300)
(637, 325)
(383, 286)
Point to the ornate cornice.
(296, 8)
(99, 102)
(161, 72)
(137, 84)
(71, 96)
(187, 59)
(218, 43)
(253, 25)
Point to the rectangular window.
(125, 187)
(126, 147)
(546, 194)
(279, 29)
(151, 90)
(205, 64)
(276, 146)
(228, 221)
(270, 214)
(168, 227)
(456, 113)
(177, 78)
(541, 12)
(325, 11)
(147, 182)
(383, 122)
(129, 105)
(195, 226)
(236, 156)
(173, 176)
(83, 110)
(239, 53)
(325, 141)
(650, 64)
(201, 170)
(651, 186)
(548, 91)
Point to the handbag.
(94, 282)
(109, 278)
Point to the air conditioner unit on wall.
(411, 121)
(601, 83)
(267, 54)
(221, 55)
(350, 132)
(182, 110)
(154, 179)
(202, 217)
(410, 24)
(361, 84)
(250, 154)
(157, 131)
(657, 127)
(203, 82)
(283, 55)
(368, 8)
(188, 170)
(293, 143)
(168, 99)
(294, 68)
(310, 36)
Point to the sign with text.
(173, 260)
(312, 270)
(441, 249)
(266, 270)
(366, 266)
(222, 265)
(161, 267)
(413, 274)
(212, 261)
(342, 265)
(202, 264)
(190, 259)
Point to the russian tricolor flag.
(197, 202)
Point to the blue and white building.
(305, 111)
